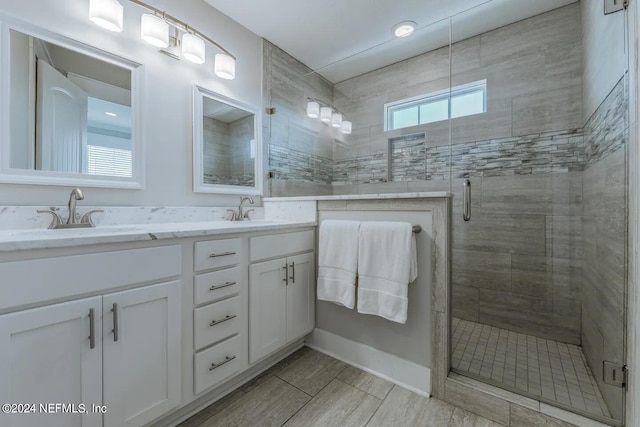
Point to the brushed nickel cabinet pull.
(115, 322)
(214, 287)
(286, 274)
(92, 328)
(217, 322)
(224, 362)
(222, 254)
(293, 272)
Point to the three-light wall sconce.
(155, 30)
(328, 114)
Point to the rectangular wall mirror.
(227, 148)
(71, 113)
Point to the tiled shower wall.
(604, 235)
(298, 148)
(518, 264)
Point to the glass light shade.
(154, 30)
(107, 14)
(347, 127)
(225, 66)
(313, 109)
(325, 114)
(336, 120)
(193, 48)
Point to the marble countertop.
(17, 240)
(420, 195)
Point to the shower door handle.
(466, 200)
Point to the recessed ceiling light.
(110, 114)
(404, 28)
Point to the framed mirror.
(70, 112)
(227, 154)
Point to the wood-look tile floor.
(549, 369)
(312, 389)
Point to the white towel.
(338, 262)
(387, 263)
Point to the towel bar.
(417, 228)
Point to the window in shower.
(458, 101)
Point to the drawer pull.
(224, 362)
(222, 254)
(217, 322)
(215, 288)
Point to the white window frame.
(429, 98)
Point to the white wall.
(168, 88)
(605, 58)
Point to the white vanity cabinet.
(149, 331)
(281, 296)
(119, 349)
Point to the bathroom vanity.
(147, 319)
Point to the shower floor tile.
(536, 366)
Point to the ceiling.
(345, 38)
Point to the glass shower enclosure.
(497, 117)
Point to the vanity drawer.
(217, 364)
(278, 245)
(216, 254)
(210, 287)
(216, 322)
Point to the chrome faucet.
(76, 194)
(71, 222)
(240, 216)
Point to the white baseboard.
(392, 368)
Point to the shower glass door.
(539, 254)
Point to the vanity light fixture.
(404, 29)
(107, 13)
(328, 114)
(155, 28)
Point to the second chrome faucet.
(240, 215)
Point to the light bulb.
(336, 120)
(325, 114)
(107, 14)
(193, 48)
(347, 127)
(313, 109)
(225, 66)
(154, 30)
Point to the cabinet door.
(267, 308)
(142, 348)
(46, 356)
(300, 296)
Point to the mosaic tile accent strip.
(247, 180)
(607, 130)
(363, 170)
(538, 154)
(288, 164)
(550, 369)
(408, 158)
